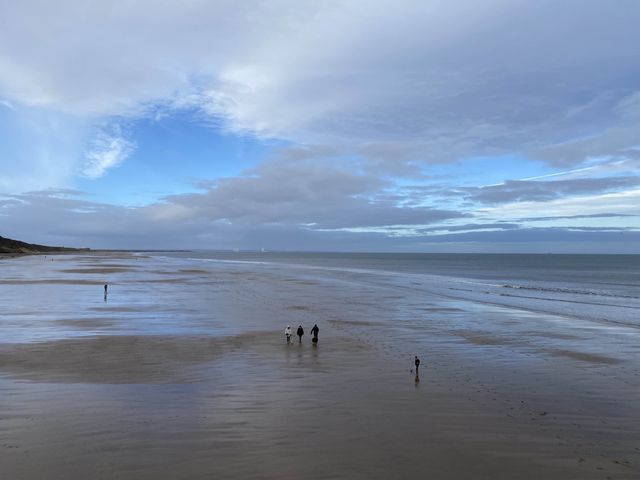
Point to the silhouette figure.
(300, 333)
(417, 364)
(287, 333)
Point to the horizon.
(325, 252)
(345, 127)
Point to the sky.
(498, 126)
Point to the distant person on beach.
(300, 333)
(314, 331)
(105, 290)
(417, 364)
(287, 333)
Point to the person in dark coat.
(417, 364)
(300, 333)
(314, 331)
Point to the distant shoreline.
(70, 251)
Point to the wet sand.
(192, 379)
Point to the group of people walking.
(314, 332)
(300, 332)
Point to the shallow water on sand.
(183, 372)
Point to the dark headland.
(16, 247)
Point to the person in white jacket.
(288, 333)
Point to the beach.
(182, 371)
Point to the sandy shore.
(183, 373)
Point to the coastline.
(183, 372)
(12, 255)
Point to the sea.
(601, 288)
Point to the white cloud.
(108, 150)
(443, 78)
(626, 203)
